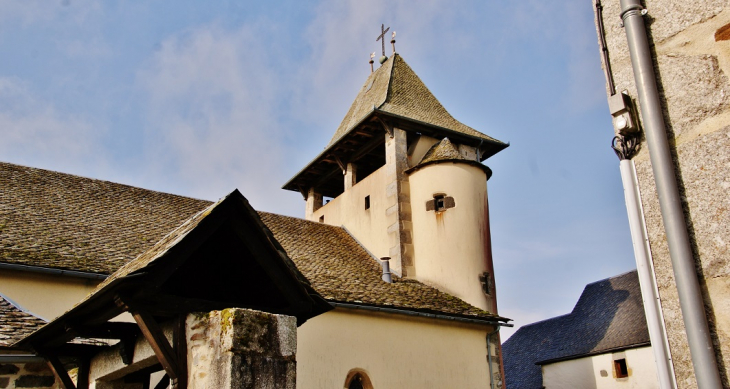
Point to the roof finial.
(372, 55)
(392, 42)
(381, 38)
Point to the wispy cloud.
(33, 131)
(212, 115)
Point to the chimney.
(385, 262)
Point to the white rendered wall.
(395, 351)
(369, 227)
(452, 247)
(44, 295)
(586, 372)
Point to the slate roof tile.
(55, 220)
(396, 89)
(15, 323)
(609, 315)
(61, 221)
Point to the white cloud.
(34, 132)
(212, 113)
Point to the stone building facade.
(690, 44)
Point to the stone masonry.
(398, 209)
(27, 375)
(241, 349)
(692, 59)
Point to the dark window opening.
(622, 371)
(358, 380)
(486, 280)
(367, 202)
(440, 203)
(356, 383)
(321, 219)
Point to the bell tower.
(405, 178)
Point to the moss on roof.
(63, 221)
(57, 220)
(396, 89)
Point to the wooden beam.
(126, 349)
(59, 371)
(157, 340)
(75, 350)
(341, 165)
(109, 330)
(82, 377)
(367, 148)
(386, 125)
(180, 346)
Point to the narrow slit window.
(439, 204)
(622, 371)
(321, 219)
(367, 202)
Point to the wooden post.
(157, 340)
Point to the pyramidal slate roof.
(442, 151)
(445, 151)
(15, 323)
(60, 221)
(608, 316)
(395, 88)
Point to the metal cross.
(381, 37)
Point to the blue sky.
(199, 98)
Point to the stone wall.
(241, 348)
(27, 375)
(692, 60)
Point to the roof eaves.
(451, 133)
(53, 271)
(592, 353)
(494, 320)
(327, 149)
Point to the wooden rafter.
(157, 340)
(59, 370)
(82, 375)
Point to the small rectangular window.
(622, 371)
(321, 219)
(367, 202)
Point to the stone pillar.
(398, 210)
(314, 202)
(350, 175)
(241, 349)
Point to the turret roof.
(442, 151)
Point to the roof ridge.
(17, 306)
(304, 220)
(100, 180)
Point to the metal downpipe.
(647, 280)
(489, 356)
(680, 252)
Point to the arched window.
(358, 379)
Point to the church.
(389, 275)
